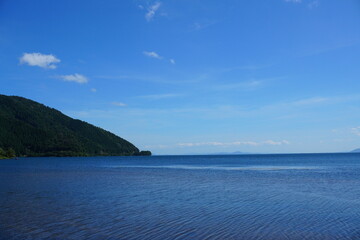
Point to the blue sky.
(191, 76)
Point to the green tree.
(2, 153)
(10, 153)
(32, 129)
(143, 153)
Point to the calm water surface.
(304, 196)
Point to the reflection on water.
(192, 197)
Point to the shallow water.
(304, 196)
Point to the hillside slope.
(32, 129)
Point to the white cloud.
(152, 55)
(356, 131)
(119, 104)
(294, 1)
(40, 60)
(151, 11)
(78, 78)
(93, 90)
(155, 55)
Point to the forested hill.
(32, 129)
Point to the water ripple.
(307, 200)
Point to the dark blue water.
(310, 196)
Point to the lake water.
(289, 196)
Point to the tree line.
(33, 129)
(8, 153)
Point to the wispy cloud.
(280, 111)
(78, 78)
(356, 130)
(246, 85)
(294, 1)
(119, 104)
(93, 90)
(197, 144)
(152, 55)
(314, 4)
(236, 143)
(149, 78)
(151, 11)
(315, 101)
(321, 49)
(157, 146)
(250, 67)
(220, 144)
(160, 96)
(271, 142)
(311, 101)
(199, 25)
(39, 60)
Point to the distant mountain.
(356, 150)
(32, 129)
